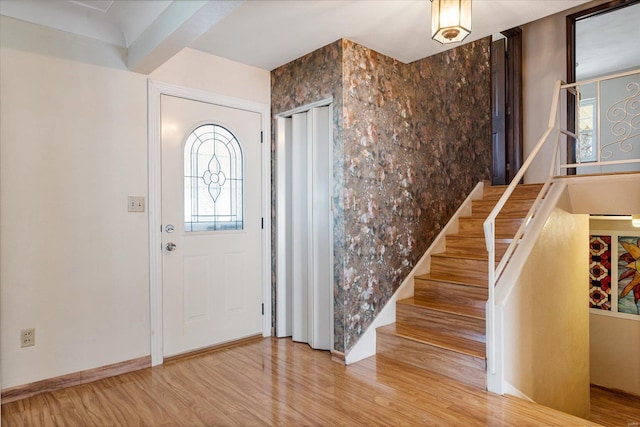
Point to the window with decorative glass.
(588, 131)
(213, 180)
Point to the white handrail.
(600, 79)
(489, 227)
(553, 132)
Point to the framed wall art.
(614, 273)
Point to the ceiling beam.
(178, 26)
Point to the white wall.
(546, 328)
(544, 61)
(199, 70)
(74, 262)
(73, 135)
(551, 344)
(614, 363)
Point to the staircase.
(442, 328)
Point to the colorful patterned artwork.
(629, 274)
(600, 272)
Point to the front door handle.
(170, 247)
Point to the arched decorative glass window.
(213, 180)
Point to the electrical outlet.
(27, 337)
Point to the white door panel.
(320, 259)
(299, 228)
(212, 281)
(305, 260)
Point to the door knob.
(170, 247)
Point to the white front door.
(211, 224)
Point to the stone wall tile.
(410, 142)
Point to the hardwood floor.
(278, 382)
(611, 408)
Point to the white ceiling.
(268, 33)
(114, 22)
(608, 42)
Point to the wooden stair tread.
(535, 184)
(500, 233)
(514, 196)
(442, 327)
(467, 242)
(489, 203)
(452, 293)
(481, 239)
(478, 280)
(451, 279)
(516, 208)
(522, 191)
(502, 216)
(461, 310)
(436, 339)
(478, 219)
(504, 227)
(479, 256)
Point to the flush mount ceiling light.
(450, 20)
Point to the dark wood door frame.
(507, 106)
(571, 62)
(499, 111)
(514, 102)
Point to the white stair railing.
(602, 131)
(624, 131)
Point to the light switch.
(136, 203)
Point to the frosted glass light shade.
(450, 20)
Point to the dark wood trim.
(77, 378)
(338, 357)
(514, 123)
(571, 60)
(217, 347)
(507, 106)
(615, 391)
(69, 380)
(571, 29)
(600, 8)
(499, 111)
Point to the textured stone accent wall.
(410, 142)
(380, 209)
(313, 77)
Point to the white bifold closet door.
(305, 267)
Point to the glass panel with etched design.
(213, 180)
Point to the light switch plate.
(136, 203)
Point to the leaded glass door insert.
(213, 180)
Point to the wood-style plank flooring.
(611, 408)
(275, 382)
